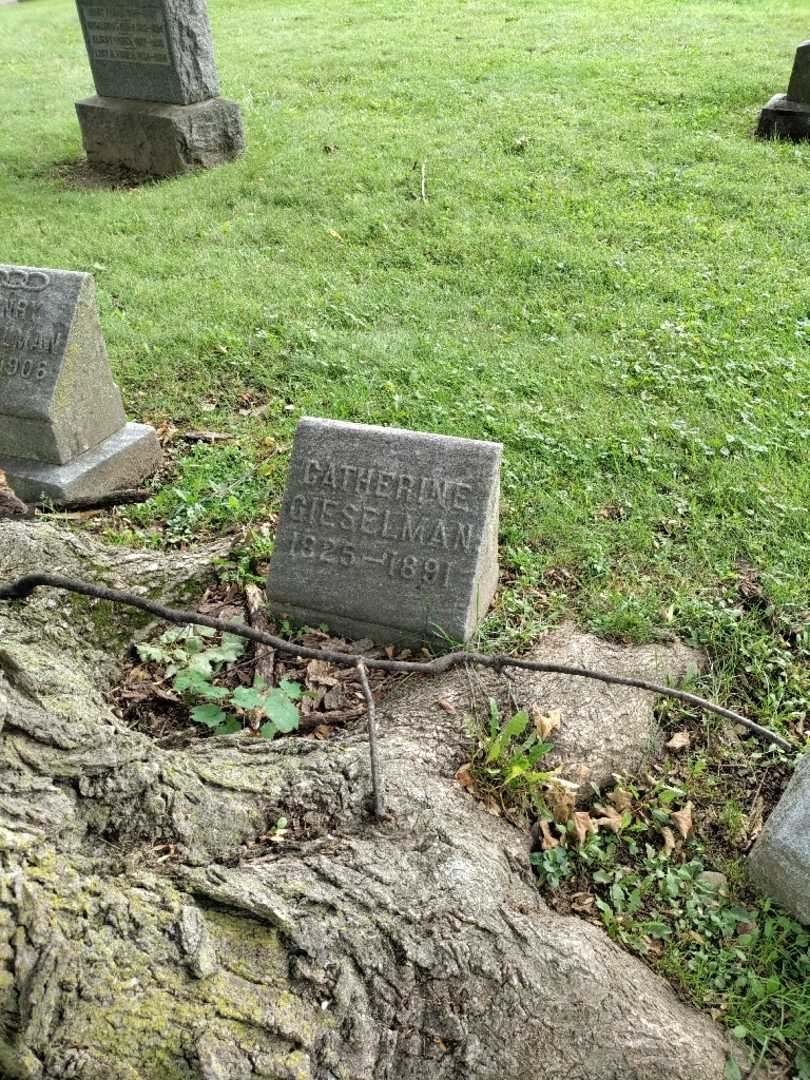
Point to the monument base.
(120, 462)
(157, 139)
(784, 119)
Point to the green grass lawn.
(609, 275)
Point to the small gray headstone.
(787, 116)
(58, 402)
(156, 109)
(152, 50)
(780, 860)
(799, 85)
(386, 533)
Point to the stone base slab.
(356, 629)
(160, 140)
(784, 119)
(120, 462)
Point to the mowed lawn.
(608, 274)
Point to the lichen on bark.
(414, 947)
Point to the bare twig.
(23, 587)
(424, 181)
(371, 713)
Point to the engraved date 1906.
(399, 567)
(23, 367)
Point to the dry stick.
(101, 502)
(424, 181)
(23, 587)
(371, 714)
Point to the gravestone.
(780, 859)
(156, 108)
(787, 116)
(63, 432)
(387, 534)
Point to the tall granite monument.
(156, 109)
(387, 534)
(63, 433)
(787, 116)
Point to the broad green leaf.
(268, 730)
(291, 689)
(281, 711)
(516, 724)
(189, 679)
(210, 715)
(229, 726)
(248, 698)
(732, 1070)
(201, 663)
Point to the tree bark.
(150, 927)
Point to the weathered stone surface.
(120, 462)
(799, 85)
(151, 50)
(784, 119)
(386, 533)
(57, 396)
(416, 949)
(160, 140)
(780, 859)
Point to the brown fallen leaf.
(549, 840)
(464, 776)
(583, 826)
(561, 802)
(683, 820)
(669, 840)
(679, 741)
(621, 799)
(582, 902)
(611, 818)
(545, 723)
(10, 505)
(447, 705)
(320, 673)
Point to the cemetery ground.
(542, 225)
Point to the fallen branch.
(99, 502)
(23, 587)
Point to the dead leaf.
(679, 741)
(583, 826)
(464, 776)
(549, 840)
(447, 705)
(319, 673)
(755, 820)
(334, 233)
(621, 799)
(561, 802)
(611, 818)
(669, 840)
(582, 902)
(683, 820)
(545, 723)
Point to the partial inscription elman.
(27, 338)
